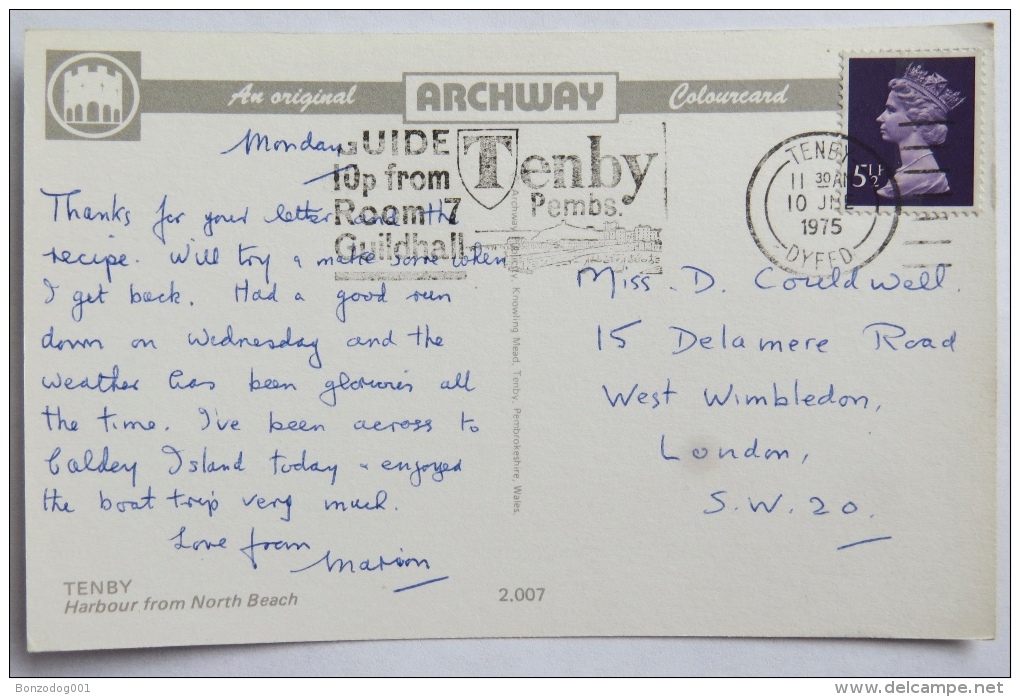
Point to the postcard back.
(361, 337)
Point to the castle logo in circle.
(93, 95)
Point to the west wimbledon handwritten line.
(423, 583)
(863, 542)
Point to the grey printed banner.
(635, 97)
(721, 96)
(250, 97)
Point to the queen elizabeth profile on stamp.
(916, 119)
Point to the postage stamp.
(917, 111)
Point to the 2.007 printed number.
(528, 595)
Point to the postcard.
(347, 337)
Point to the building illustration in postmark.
(636, 249)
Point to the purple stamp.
(917, 114)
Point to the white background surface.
(651, 656)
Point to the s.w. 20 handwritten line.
(423, 583)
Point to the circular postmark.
(797, 207)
